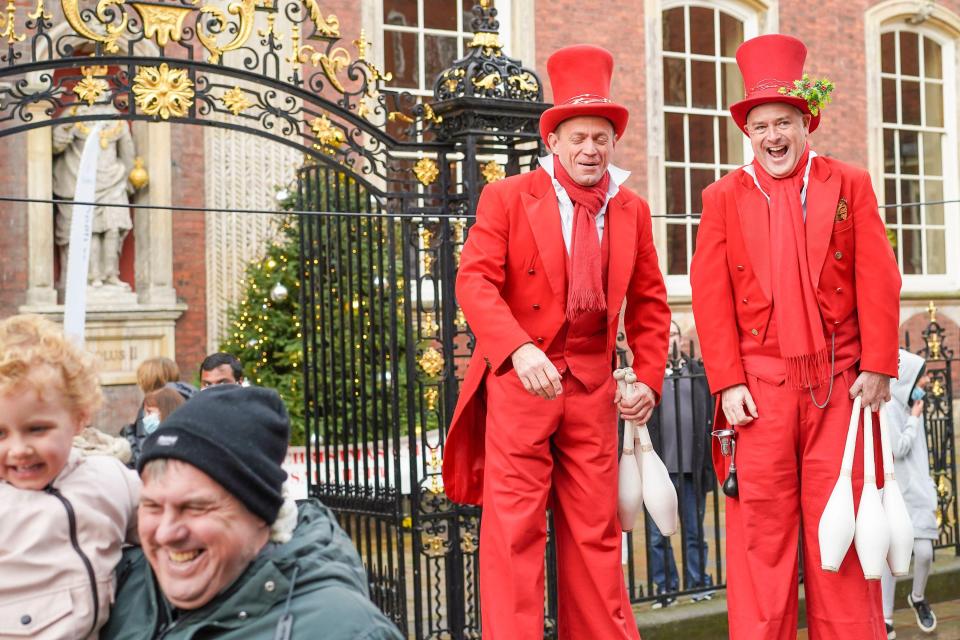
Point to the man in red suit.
(796, 299)
(544, 273)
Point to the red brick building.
(895, 63)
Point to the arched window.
(700, 141)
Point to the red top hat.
(769, 63)
(580, 76)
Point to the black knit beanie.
(237, 436)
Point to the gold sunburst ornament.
(431, 362)
(493, 172)
(162, 91)
(91, 88)
(426, 171)
(235, 101)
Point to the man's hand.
(640, 407)
(917, 409)
(536, 372)
(738, 405)
(873, 388)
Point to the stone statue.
(110, 224)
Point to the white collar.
(617, 175)
(748, 168)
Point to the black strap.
(72, 521)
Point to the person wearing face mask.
(153, 374)
(796, 295)
(911, 463)
(158, 405)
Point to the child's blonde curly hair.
(29, 341)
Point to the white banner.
(367, 464)
(81, 230)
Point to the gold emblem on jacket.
(841, 211)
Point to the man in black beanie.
(224, 554)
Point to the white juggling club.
(837, 523)
(872, 537)
(895, 509)
(659, 494)
(630, 484)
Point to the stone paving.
(905, 624)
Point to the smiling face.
(778, 134)
(196, 535)
(584, 146)
(36, 432)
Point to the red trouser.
(788, 461)
(569, 444)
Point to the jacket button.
(25, 620)
(536, 307)
(530, 272)
(838, 255)
(270, 585)
(739, 267)
(839, 289)
(745, 301)
(539, 340)
(242, 615)
(836, 322)
(754, 332)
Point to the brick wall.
(189, 257)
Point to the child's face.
(36, 433)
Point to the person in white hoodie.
(911, 464)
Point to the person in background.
(911, 463)
(158, 405)
(63, 516)
(220, 368)
(680, 431)
(153, 374)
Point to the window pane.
(440, 51)
(933, 192)
(703, 83)
(887, 56)
(936, 251)
(673, 30)
(909, 160)
(934, 104)
(674, 135)
(890, 100)
(701, 31)
(932, 154)
(910, 192)
(731, 87)
(440, 14)
(731, 142)
(889, 151)
(400, 58)
(731, 35)
(676, 249)
(402, 12)
(932, 64)
(674, 82)
(694, 228)
(912, 252)
(910, 101)
(676, 203)
(890, 197)
(700, 179)
(701, 138)
(909, 54)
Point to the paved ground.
(948, 623)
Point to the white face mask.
(150, 422)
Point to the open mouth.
(26, 471)
(182, 558)
(777, 152)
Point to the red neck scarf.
(585, 288)
(797, 313)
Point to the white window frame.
(943, 27)
(757, 18)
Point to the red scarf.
(797, 313)
(585, 288)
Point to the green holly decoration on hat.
(815, 92)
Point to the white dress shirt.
(803, 192)
(617, 177)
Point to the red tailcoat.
(511, 287)
(852, 269)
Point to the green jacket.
(329, 597)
